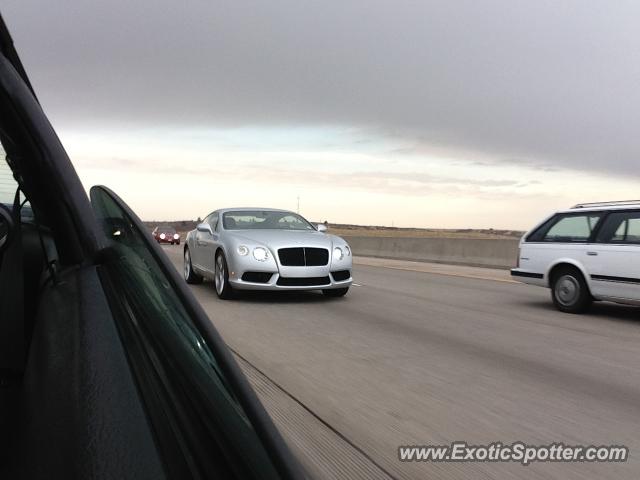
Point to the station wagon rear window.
(567, 228)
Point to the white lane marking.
(356, 284)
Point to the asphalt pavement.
(421, 354)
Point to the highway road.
(435, 356)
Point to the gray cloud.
(546, 83)
(395, 183)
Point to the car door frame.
(280, 454)
(61, 198)
(49, 180)
(610, 275)
(60, 205)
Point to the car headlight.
(176, 236)
(338, 253)
(260, 254)
(347, 250)
(162, 236)
(243, 250)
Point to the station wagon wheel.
(221, 278)
(189, 275)
(569, 291)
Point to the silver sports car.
(266, 249)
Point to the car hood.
(284, 238)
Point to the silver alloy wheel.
(567, 290)
(219, 276)
(187, 264)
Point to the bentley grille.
(303, 257)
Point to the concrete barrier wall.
(461, 251)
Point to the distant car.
(166, 234)
(266, 249)
(590, 252)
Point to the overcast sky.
(442, 114)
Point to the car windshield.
(264, 220)
(169, 230)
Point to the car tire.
(190, 276)
(569, 291)
(335, 292)
(224, 290)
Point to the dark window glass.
(621, 228)
(202, 430)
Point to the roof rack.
(615, 203)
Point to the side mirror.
(6, 227)
(204, 227)
(321, 227)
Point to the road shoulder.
(480, 273)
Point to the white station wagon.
(589, 252)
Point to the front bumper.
(287, 277)
(278, 282)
